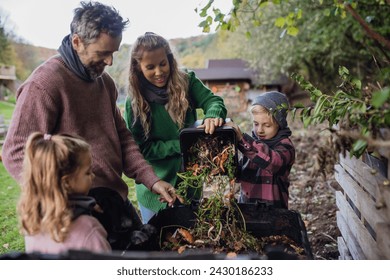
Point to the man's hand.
(166, 191)
(210, 124)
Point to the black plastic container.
(189, 137)
(260, 220)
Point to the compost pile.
(209, 181)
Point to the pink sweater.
(86, 233)
(54, 100)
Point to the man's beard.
(94, 71)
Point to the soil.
(313, 194)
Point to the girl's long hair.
(43, 206)
(177, 85)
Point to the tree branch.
(371, 33)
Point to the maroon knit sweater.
(54, 100)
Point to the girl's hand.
(211, 124)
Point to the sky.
(44, 23)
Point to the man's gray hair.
(93, 18)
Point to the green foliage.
(327, 37)
(11, 239)
(28, 57)
(351, 107)
(253, 10)
(5, 46)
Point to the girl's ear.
(66, 183)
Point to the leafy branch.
(359, 112)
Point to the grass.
(11, 239)
(6, 109)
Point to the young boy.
(268, 154)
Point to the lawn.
(11, 240)
(6, 109)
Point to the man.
(70, 93)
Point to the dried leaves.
(219, 226)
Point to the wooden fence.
(363, 215)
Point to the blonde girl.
(54, 209)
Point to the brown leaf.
(186, 235)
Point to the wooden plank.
(350, 241)
(383, 238)
(356, 230)
(362, 174)
(385, 151)
(343, 249)
(360, 198)
(385, 191)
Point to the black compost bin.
(189, 136)
(260, 220)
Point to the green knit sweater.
(162, 148)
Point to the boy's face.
(264, 126)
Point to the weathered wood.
(360, 198)
(350, 241)
(385, 191)
(356, 234)
(383, 238)
(343, 249)
(385, 151)
(362, 173)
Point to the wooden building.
(235, 82)
(7, 80)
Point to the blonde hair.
(43, 206)
(177, 85)
(257, 109)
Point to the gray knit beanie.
(272, 101)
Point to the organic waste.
(209, 182)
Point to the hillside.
(28, 57)
(191, 52)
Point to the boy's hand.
(236, 128)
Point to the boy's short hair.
(258, 109)
(276, 103)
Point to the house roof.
(7, 72)
(227, 73)
(232, 69)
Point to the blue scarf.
(72, 60)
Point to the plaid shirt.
(264, 171)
